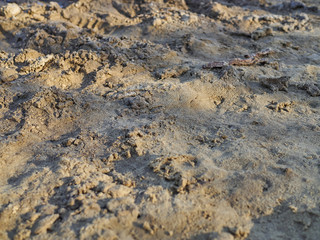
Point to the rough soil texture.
(110, 127)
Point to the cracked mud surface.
(111, 129)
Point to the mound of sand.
(110, 127)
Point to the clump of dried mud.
(111, 129)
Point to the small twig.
(247, 61)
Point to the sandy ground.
(110, 127)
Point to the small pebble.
(10, 10)
(147, 227)
(44, 224)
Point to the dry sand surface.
(114, 126)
